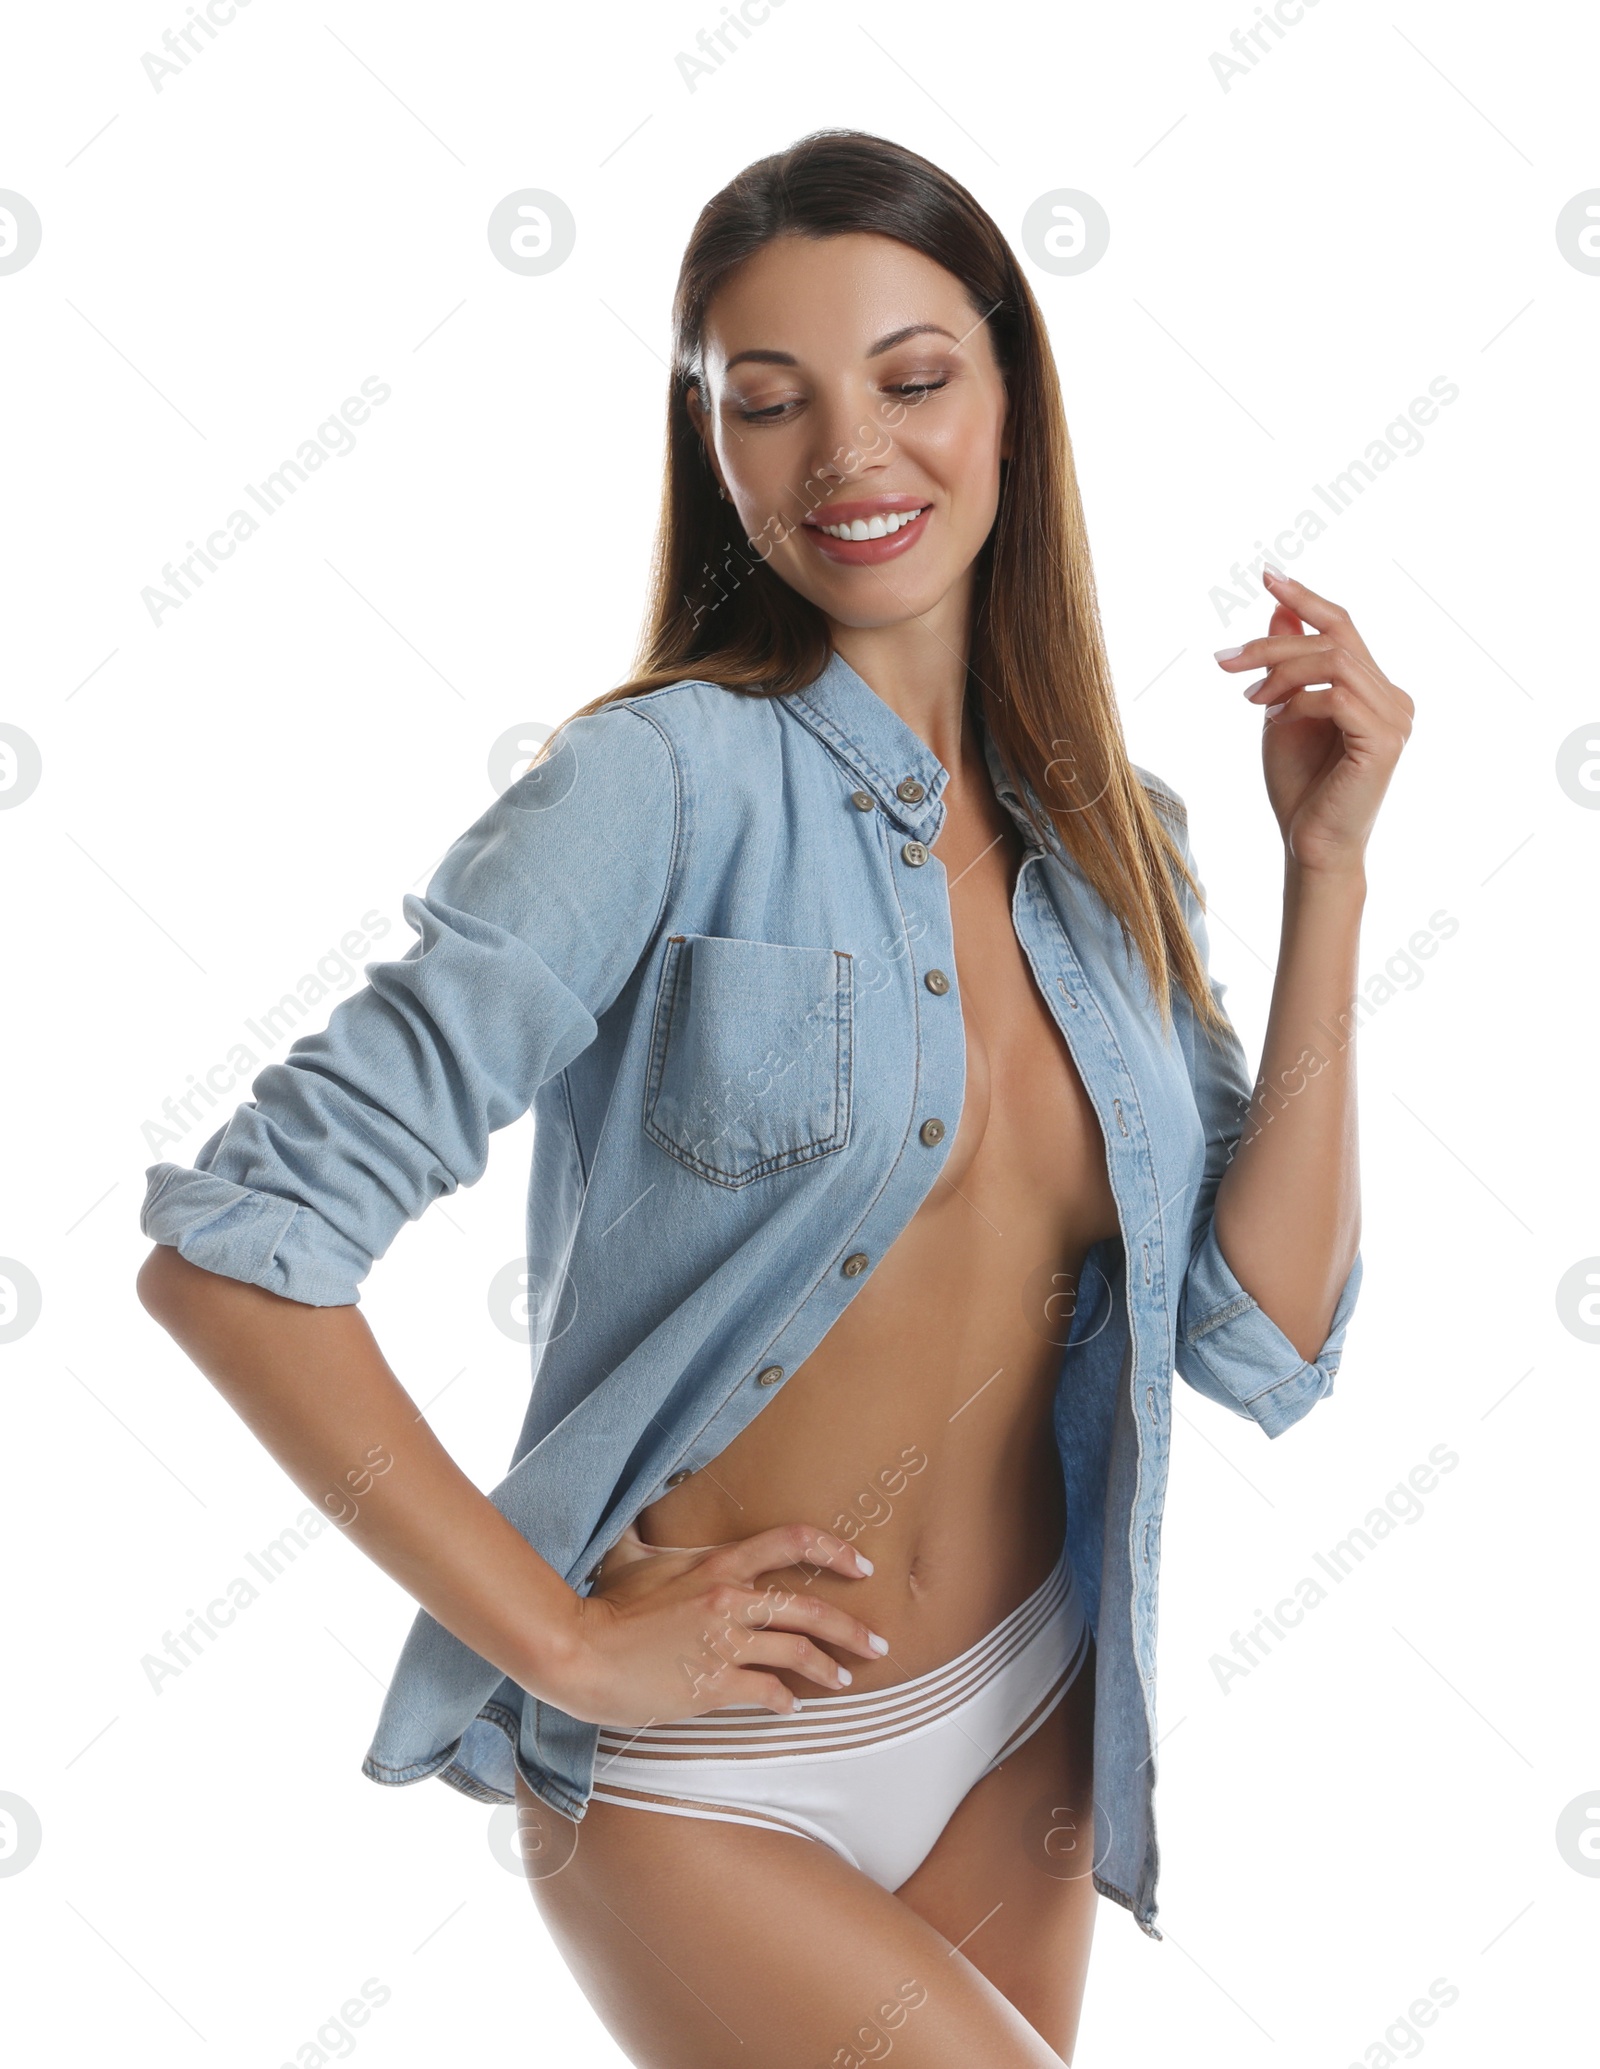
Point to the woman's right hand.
(675, 1634)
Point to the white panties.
(875, 1776)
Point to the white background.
(1292, 260)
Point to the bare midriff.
(921, 1427)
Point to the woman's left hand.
(1328, 753)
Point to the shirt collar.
(887, 757)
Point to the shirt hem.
(447, 1768)
(1144, 1920)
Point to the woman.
(891, 1145)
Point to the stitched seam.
(1272, 1386)
(666, 992)
(667, 887)
(783, 1160)
(844, 1052)
(1238, 1306)
(736, 1180)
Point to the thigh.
(1010, 1878)
(703, 1944)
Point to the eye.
(768, 415)
(920, 387)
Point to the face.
(851, 386)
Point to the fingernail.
(1228, 653)
(1274, 575)
(845, 1675)
(1250, 688)
(878, 1644)
(863, 1562)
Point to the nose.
(848, 441)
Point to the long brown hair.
(718, 613)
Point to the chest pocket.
(750, 1056)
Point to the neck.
(919, 668)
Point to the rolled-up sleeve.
(527, 932)
(1228, 1348)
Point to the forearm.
(1288, 1209)
(313, 1386)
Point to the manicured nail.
(1229, 653)
(845, 1675)
(1274, 575)
(1250, 688)
(863, 1562)
(878, 1644)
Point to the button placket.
(920, 924)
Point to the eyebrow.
(766, 356)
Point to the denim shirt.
(694, 940)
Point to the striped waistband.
(841, 1722)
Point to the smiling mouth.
(881, 525)
(863, 532)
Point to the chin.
(868, 605)
(904, 609)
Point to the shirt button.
(594, 1572)
(677, 1479)
(862, 800)
(937, 982)
(854, 1266)
(915, 853)
(769, 1377)
(933, 1133)
(911, 791)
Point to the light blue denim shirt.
(693, 941)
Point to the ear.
(700, 418)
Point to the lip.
(866, 552)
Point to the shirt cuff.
(262, 1238)
(1231, 1350)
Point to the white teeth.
(872, 528)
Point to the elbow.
(154, 1282)
(168, 1284)
(1299, 1294)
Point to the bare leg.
(1011, 1879)
(703, 1944)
